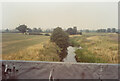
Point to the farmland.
(28, 47)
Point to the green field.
(16, 46)
(97, 47)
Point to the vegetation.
(108, 30)
(60, 37)
(84, 55)
(36, 30)
(73, 31)
(73, 41)
(46, 34)
(28, 47)
(35, 33)
(22, 28)
(97, 47)
(70, 31)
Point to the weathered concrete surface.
(41, 70)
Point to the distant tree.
(22, 28)
(74, 30)
(118, 30)
(60, 37)
(98, 30)
(87, 30)
(39, 30)
(7, 30)
(109, 30)
(34, 29)
(47, 34)
(101, 30)
(69, 31)
(79, 32)
(113, 30)
(48, 30)
(29, 30)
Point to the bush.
(47, 34)
(35, 33)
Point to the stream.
(71, 54)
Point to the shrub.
(47, 34)
(35, 33)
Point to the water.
(71, 55)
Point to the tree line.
(108, 30)
(72, 31)
(24, 29)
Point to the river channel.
(71, 54)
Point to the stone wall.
(58, 70)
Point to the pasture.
(16, 46)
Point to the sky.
(83, 15)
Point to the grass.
(85, 55)
(28, 47)
(12, 43)
(97, 47)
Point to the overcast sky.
(45, 15)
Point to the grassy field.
(28, 47)
(97, 47)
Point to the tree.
(7, 30)
(69, 31)
(48, 30)
(74, 30)
(29, 29)
(60, 37)
(34, 29)
(22, 28)
(101, 30)
(39, 30)
(108, 30)
(113, 30)
(87, 30)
